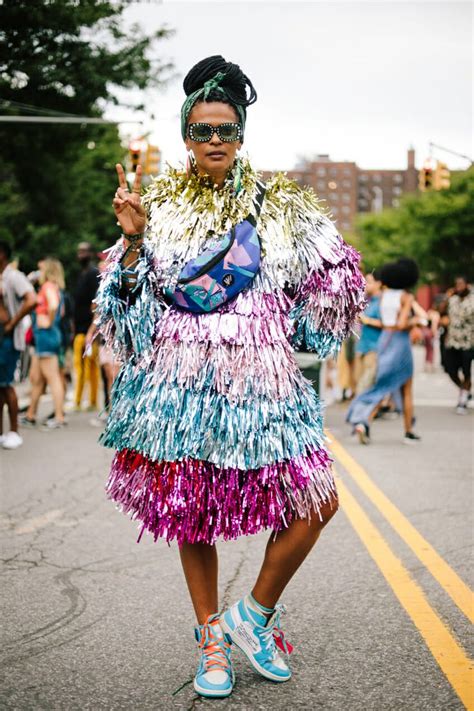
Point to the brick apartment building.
(349, 190)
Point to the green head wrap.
(203, 93)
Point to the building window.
(377, 178)
(346, 197)
(346, 225)
(346, 209)
(332, 171)
(321, 171)
(321, 185)
(396, 190)
(346, 183)
(333, 196)
(347, 171)
(363, 178)
(334, 210)
(398, 178)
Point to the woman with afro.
(399, 313)
(218, 434)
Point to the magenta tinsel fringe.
(197, 502)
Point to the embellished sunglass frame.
(215, 129)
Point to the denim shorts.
(47, 341)
(8, 361)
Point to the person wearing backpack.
(216, 280)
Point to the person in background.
(44, 369)
(430, 335)
(366, 348)
(394, 355)
(109, 365)
(441, 306)
(86, 364)
(346, 368)
(460, 340)
(17, 299)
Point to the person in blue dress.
(366, 349)
(394, 355)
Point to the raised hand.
(127, 205)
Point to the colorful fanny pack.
(220, 273)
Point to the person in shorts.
(17, 299)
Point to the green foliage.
(434, 228)
(56, 57)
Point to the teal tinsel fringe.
(166, 422)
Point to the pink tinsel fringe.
(193, 501)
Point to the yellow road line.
(449, 655)
(458, 591)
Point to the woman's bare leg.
(285, 553)
(2, 404)
(50, 372)
(200, 568)
(37, 387)
(407, 396)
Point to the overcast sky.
(361, 81)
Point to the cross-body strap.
(258, 201)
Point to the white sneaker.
(53, 424)
(12, 440)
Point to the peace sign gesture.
(127, 206)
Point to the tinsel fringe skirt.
(194, 501)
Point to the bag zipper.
(212, 263)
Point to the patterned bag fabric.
(219, 274)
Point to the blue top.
(369, 335)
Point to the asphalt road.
(91, 620)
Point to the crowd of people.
(43, 327)
(375, 366)
(47, 335)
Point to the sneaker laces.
(215, 650)
(273, 636)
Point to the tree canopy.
(66, 57)
(435, 228)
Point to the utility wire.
(32, 109)
(60, 119)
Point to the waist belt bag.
(219, 274)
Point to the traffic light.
(426, 176)
(442, 177)
(152, 161)
(135, 153)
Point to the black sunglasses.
(203, 132)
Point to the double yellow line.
(450, 656)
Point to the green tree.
(435, 228)
(66, 57)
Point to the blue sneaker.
(215, 676)
(249, 629)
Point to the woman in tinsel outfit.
(217, 432)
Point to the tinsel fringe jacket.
(217, 432)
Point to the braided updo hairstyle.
(214, 79)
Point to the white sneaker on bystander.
(12, 440)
